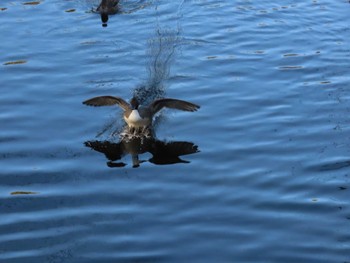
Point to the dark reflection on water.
(162, 152)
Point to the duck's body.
(107, 7)
(138, 116)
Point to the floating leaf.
(3, 8)
(32, 3)
(15, 62)
(23, 193)
(70, 10)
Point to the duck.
(140, 117)
(107, 7)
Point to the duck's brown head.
(134, 103)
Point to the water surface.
(270, 182)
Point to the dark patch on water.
(329, 166)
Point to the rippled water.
(266, 174)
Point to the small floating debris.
(254, 52)
(32, 3)
(260, 52)
(92, 42)
(342, 188)
(23, 193)
(290, 67)
(211, 57)
(291, 55)
(70, 10)
(263, 11)
(3, 8)
(314, 200)
(325, 82)
(15, 62)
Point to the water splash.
(161, 51)
(160, 55)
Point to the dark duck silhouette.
(163, 153)
(140, 117)
(106, 8)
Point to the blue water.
(268, 177)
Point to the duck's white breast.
(136, 120)
(135, 116)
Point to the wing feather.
(157, 105)
(107, 101)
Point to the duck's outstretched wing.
(108, 101)
(157, 105)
